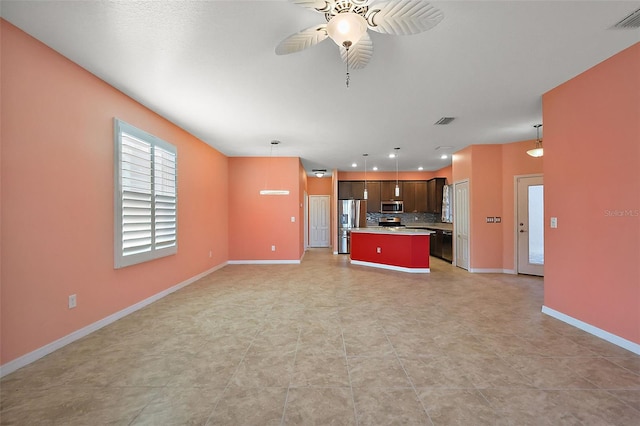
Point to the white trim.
(598, 332)
(486, 270)
(35, 355)
(509, 271)
(265, 262)
(392, 267)
(515, 215)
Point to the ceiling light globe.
(536, 152)
(346, 27)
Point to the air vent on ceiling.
(631, 21)
(444, 120)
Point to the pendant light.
(366, 194)
(537, 151)
(397, 192)
(266, 191)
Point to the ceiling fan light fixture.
(346, 27)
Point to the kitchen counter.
(391, 230)
(436, 226)
(396, 248)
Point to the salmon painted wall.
(302, 190)
(515, 162)
(57, 199)
(319, 186)
(592, 185)
(446, 172)
(490, 170)
(461, 165)
(257, 222)
(486, 198)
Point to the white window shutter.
(146, 197)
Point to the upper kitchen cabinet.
(434, 194)
(387, 190)
(414, 195)
(373, 197)
(351, 190)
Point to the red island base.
(406, 251)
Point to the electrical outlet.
(378, 250)
(293, 218)
(554, 222)
(72, 301)
(210, 253)
(273, 248)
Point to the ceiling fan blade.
(403, 17)
(317, 5)
(302, 40)
(359, 53)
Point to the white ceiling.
(210, 67)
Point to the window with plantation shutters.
(145, 196)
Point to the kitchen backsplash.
(406, 218)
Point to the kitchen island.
(396, 248)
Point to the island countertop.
(392, 230)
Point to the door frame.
(455, 239)
(308, 218)
(515, 215)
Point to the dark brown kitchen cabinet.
(414, 196)
(373, 197)
(434, 194)
(350, 190)
(435, 244)
(387, 190)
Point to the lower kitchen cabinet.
(436, 244)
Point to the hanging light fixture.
(397, 192)
(537, 151)
(346, 29)
(366, 194)
(274, 144)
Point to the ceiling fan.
(348, 21)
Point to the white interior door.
(530, 225)
(319, 220)
(461, 223)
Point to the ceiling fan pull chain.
(347, 45)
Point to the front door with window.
(530, 225)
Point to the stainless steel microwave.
(391, 207)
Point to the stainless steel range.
(389, 221)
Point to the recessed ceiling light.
(354, 165)
(420, 168)
(375, 168)
(444, 156)
(392, 155)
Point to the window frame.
(121, 259)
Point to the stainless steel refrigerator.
(351, 214)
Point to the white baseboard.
(392, 267)
(264, 262)
(509, 271)
(35, 355)
(598, 332)
(486, 270)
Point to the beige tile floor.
(327, 343)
